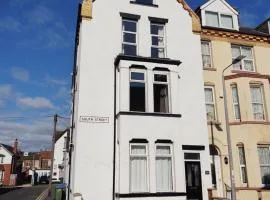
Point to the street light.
(232, 178)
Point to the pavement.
(38, 192)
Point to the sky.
(36, 60)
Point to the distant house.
(45, 159)
(10, 164)
(60, 155)
(31, 160)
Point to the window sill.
(146, 194)
(210, 69)
(149, 114)
(144, 4)
(263, 122)
(242, 71)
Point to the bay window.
(235, 100)
(257, 102)
(264, 158)
(243, 166)
(164, 174)
(138, 167)
(137, 93)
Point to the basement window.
(161, 92)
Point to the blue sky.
(37, 39)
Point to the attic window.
(219, 20)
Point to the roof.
(45, 154)
(31, 156)
(251, 31)
(268, 19)
(59, 134)
(7, 147)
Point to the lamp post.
(232, 178)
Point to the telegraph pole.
(52, 157)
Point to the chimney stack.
(15, 146)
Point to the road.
(26, 193)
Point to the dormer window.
(218, 20)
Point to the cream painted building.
(248, 95)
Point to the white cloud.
(20, 74)
(10, 24)
(5, 90)
(41, 14)
(36, 102)
(55, 81)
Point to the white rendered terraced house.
(139, 123)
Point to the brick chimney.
(15, 146)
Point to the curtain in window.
(235, 102)
(227, 21)
(138, 169)
(248, 64)
(138, 174)
(210, 108)
(164, 102)
(264, 157)
(235, 53)
(257, 103)
(247, 52)
(163, 171)
(212, 19)
(206, 54)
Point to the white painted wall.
(99, 44)
(8, 156)
(221, 7)
(59, 156)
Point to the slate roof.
(9, 148)
(251, 31)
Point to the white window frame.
(210, 53)
(242, 165)
(262, 165)
(212, 103)
(159, 36)
(260, 86)
(236, 103)
(172, 162)
(219, 14)
(136, 35)
(146, 155)
(242, 62)
(139, 81)
(163, 83)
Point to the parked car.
(44, 180)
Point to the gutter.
(70, 135)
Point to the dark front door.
(193, 180)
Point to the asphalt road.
(26, 193)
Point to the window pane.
(160, 78)
(236, 51)
(236, 111)
(138, 174)
(157, 52)
(163, 174)
(163, 150)
(161, 99)
(205, 48)
(138, 149)
(206, 61)
(256, 95)
(157, 29)
(246, 51)
(241, 155)
(129, 37)
(145, 1)
(265, 174)
(157, 41)
(264, 155)
(248, 65)
(129, 26)
(244, 174)
(137, 76)
(234, 94)
(226, 21)
(211, 19)
(210, 112)
(137, 96)
(208, 95)
(129, 49)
